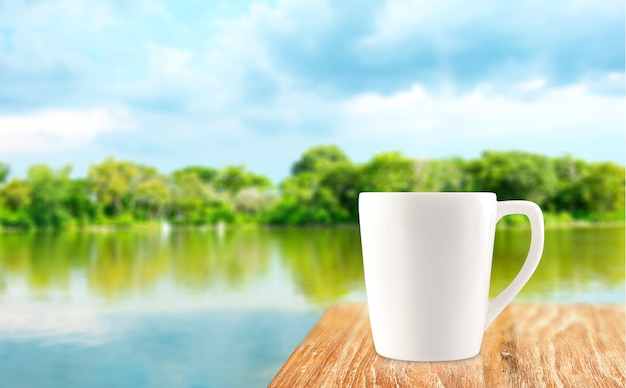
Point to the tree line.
(322, 189)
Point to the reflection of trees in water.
(113, 263)
(119, 263)
(574, 261)
(205, 259)
(45, 260)
(195, 260)
(325, 264)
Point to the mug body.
(427, 264)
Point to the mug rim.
(428, 193)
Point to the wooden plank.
(528, 345)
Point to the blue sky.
(177, 83)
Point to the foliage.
(452, 174)
(151, 198)
(323, 189)
(516, 175)
(601, 188)
(233, 179)
(319, 159)
(113, 184)
(4, 172)
(78, 201)
(206, 174)
(15, 195)
(389, 171)
(48, 190)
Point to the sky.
(175, 83)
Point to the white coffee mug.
(427, 263)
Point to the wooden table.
(528, 345)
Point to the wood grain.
(528, 345)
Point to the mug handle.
(535, 216)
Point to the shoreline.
(221, 227)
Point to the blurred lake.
(182, 308)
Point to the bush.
(18, 220)
(122, 221)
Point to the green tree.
(569, 172)
(516, 175)
(189, 195)
(48, 191)
(601, 188)
(152, 197)
(443, 175)
(322, 189)
(150, 193)
(80, 202)
(297, 205)
(4, 172)
(253, 202)
(389, 171)
(233, 179)
(15, 204)
(15, 195)
(113, 183)
(318, 159)
(206, 175)
(338, 192)
(196, 201)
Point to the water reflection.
(196, 308)
(578, 264)
(324, 264)
(321, 265)
(204, 259)
(117, 264)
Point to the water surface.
(195, 308)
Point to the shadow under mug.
(427, 264)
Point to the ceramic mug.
(427, 264)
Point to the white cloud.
(399, 19)
(532, 85)
(413, 111)
(59, 323)
(169, 61)
(416, 112)
(445, 23)
(57, 129)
